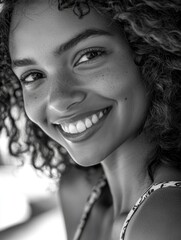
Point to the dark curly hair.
(153, 30)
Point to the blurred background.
(29, 205)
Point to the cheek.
(34, 107)
(116, 82)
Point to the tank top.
(141, 200)
(95, 194)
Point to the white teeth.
(66, 129)
(100, 115)
(72, 128)
(63, 127)
(88, 123)
(80, 126)
(95, 119)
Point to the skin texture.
(150, 217)
(71, 83)
(108, 80)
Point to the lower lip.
(87, 133)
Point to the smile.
(83, 128)
(83, 124)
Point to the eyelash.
(83, 53)
(99, 51)
(29, 74)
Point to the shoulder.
(159, 217)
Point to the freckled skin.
(110, 80)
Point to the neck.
(125, 171)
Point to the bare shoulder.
(158, 218)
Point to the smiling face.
(80, 83)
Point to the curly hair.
(153, 30)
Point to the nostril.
(77, 98)
(72, 105)
(60, 104)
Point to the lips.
(83, 124)
(83, 128)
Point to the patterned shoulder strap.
(149, 191)
(93, 197)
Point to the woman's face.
(80, 83)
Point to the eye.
(29, 78)
(89, 54)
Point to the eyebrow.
(64, 46)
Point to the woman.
(102, 79)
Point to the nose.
(64, 97)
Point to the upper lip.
(73, 118)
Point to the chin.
(86, 161)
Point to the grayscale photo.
(90, 124)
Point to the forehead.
(41, 21)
